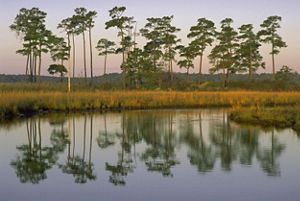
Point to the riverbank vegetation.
(279, 117)
(14, 104)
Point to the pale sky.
(185, 14)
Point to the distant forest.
(233, 51)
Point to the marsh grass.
(18, 103)
(279, 117)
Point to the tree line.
(233, 51)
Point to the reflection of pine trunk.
(123, 138)
(69, 140)
(28, 135)
(272, 147)
(40, 138)
(34, 136)
(74, 136)
(84, 137)
(200, 130)
(105, 128)
(91, 139)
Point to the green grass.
(279, 117)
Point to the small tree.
(138, 65)
(105, 47)
(187, 54)
(60, 50)
(269, 34)
(57, 69)
(284, 74)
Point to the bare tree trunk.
(27, 62)
(273, 59)
(84, 57)
(200, 64)
(40, 60)
(105, 60)
(273, 64)
(40, 64)
(250, 65)
(226, 79)
(171, 66)
(69, 64)
(35, 68)
(31, 66)
(123, 60)
(74, 54)
(91, 53)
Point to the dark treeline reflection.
(155, 140)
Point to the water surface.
(147, 155)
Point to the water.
(147, 155)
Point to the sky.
(185, 14)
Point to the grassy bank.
(18, 103)
(279, 117)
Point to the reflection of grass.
(280, 117)
(15, 103)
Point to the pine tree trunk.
(27, 63)
(40, 60)
(35, 67)
(273, 64)
(171, 65)
(74, 54)
(273, 60)
(40, 64)
(61, 77)
(226, 79)
(69, 63)
(250, 64)
(31, 67)
(123, 60)
(84, 57)
(105, 60)
(91, 53)
(200, 64)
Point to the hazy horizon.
(185, 15)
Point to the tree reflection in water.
(125, 163)
(34, 159)
(158, 136)
(201, 155)
(79, 167)
(159, 155)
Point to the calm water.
(167, 155)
